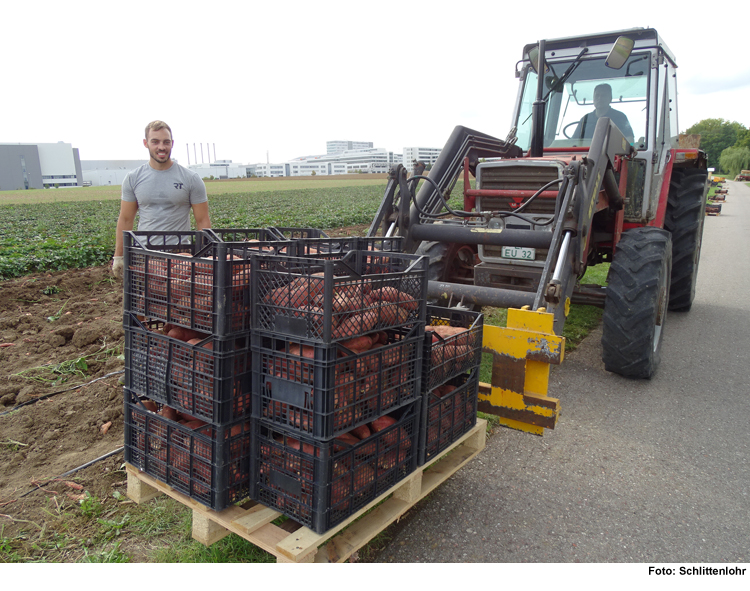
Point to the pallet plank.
(342, 546)
(255, 518)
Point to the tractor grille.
(516, 177)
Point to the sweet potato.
(444, 390)
(185, 334)
(194, 424)
(348, 438)
(150, 405)
(305, 447)
(362, 343)
(461, 334)
(169, 413)
(302, 351)
(382, 423)
(391, 294)
(364, 475)
(362, 432)
(354, 324)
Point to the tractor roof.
(643, 38)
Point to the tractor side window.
(523, 131)
(672, 86)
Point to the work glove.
(118, 268)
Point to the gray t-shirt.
(164, 197)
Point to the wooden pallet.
(292, 542)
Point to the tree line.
(726, 143)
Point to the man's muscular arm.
(202, 219)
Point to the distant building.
(220, 169)
(266, 169)
(426, 155)
(38, 166)
(100, 173)
(338, 146)
(361, 160)
(113, 172)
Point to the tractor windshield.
(591, 90)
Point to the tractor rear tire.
(635, 307)
(686, 214)
(449, 263)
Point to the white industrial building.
(220, 169)
(361, 160)
(338, 146)
(112, 172)
(101, 173)
(37, 166)
(426, 155)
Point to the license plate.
(518, 252)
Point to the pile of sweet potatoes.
(180, 289)
(358, 306)
(451, 350)
(360, 459)
(450, 413)
(371, 374)
(185, 365)
(183, 450)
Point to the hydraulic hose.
(450, 211)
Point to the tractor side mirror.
(533, 56)
(619, 53)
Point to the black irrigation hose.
(69, 472)
(114, 373)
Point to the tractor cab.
(627, 76)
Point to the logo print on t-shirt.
(178, 185)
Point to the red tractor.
(592, 172)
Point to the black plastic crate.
(336, 247)
(209, 464)
(198, 283)
(322, 391)
(447, 356)
(448, 412)
(337, 298)
(302, 241)
(243, 234)
(292, 233)
(264, 240)
(209, 379)
(322, 483)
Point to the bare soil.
(50, 322)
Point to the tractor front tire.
(685, 217)
(635, 307)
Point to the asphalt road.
(654, 471)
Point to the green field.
(214, 188)
(53, 229)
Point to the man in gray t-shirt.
(162, 191)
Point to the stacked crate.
(337, 348)
(188, 371)
(450, 368)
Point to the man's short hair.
(156, 126)
(604, 85)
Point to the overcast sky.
(279, 79)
